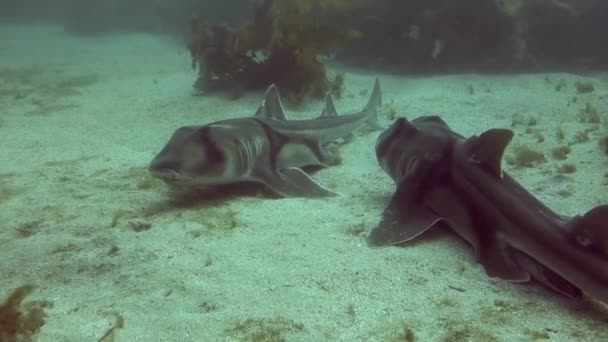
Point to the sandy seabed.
(83, 222)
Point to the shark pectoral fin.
(455, 212)
(400, 225)
(293, 182)
(499, 262)
(546, 276)
(403, 219)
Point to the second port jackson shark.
(265, 148)
(442, 177)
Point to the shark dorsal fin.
(489, 148)
(261, 112)
(406, 127)
(330, 108)
(271, 108)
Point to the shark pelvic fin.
(546, 276)
(489, 147)
(499, 262)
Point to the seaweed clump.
(265, 329)
(526, 157)
(223, 63)
(603, 143)
(286, 45)
(17, 323)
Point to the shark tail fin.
(371, 109)
(590, 231)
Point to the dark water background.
(103, 16)
(478, 36)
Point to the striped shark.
(265, 148)
(442, 177)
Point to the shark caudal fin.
(371, 109)
(590, 231)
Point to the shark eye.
(588, 232)
(584, 239)
(213, 154)
(204, 155)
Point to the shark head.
(401, 147)
(412, 154)
(197, 156)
